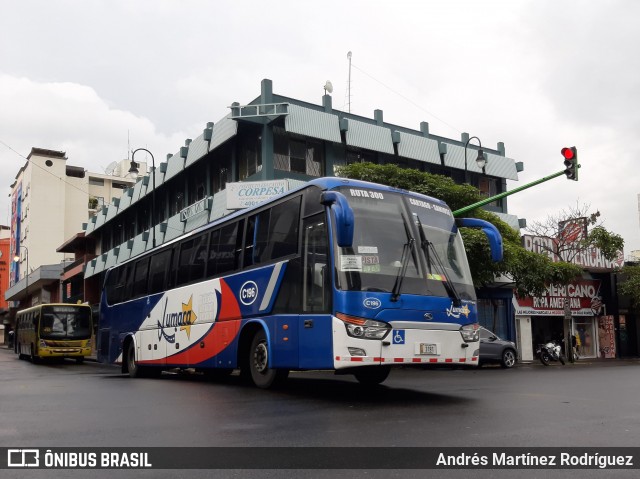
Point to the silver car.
(496, 350)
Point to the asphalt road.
(589, 404)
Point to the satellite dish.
(328, 87)
(110, 168)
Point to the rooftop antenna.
(349, 83)
(328, 87)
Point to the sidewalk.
(585, 362)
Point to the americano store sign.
(583, 296)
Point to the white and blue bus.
(339, 275)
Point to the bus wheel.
(372, 375)
(34, 359)
(80, 360)
(135, 371)
(261, 374)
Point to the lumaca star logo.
(188, 317)
(456, 312)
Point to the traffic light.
(570, 156)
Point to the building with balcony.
(51, 201)
(274, 137)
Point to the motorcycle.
(551, 351)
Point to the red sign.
(606, 337)
(583, 297)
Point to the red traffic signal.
(570, 155)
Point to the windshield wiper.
(428, 248)
(407, 251)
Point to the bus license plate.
(428, 348)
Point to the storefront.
(541, 319)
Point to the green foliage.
(530, 271)
(609, 243)
(630, 284)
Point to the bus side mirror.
(493, 235)
(344, 216)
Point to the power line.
(43, 169)
(405, 98)
(63, 180)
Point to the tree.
(630, 283)
(573, 231)
(530, 272)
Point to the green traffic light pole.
(508, 193)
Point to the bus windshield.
(65, 322)
(391, 229)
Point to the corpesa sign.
(250, 193)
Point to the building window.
(176, 196)
(250, 155)
(197, 182)
(489, 187)
(297, 154)
(360, 156)
(96, 181)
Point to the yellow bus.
(54, 331)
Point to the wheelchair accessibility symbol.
(398, 337)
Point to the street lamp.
(480, 160)
(16, 258)
(134, 173)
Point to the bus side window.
(173, 267)
(312, 203)
(140, 277)
(316, 292)
(212, 260)
(158, 271)
(228, 254)
(273, 233)
(257, 238)
(124, 289)
(283, 231)
(193, 257)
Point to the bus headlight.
(364, 328)
(470, 332)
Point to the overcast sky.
(83, 76)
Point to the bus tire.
(34, 358)
(262, 375)
(80, 360)
(372, 375)
(135, 371)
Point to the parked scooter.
(551, 351)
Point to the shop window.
(492, 314)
